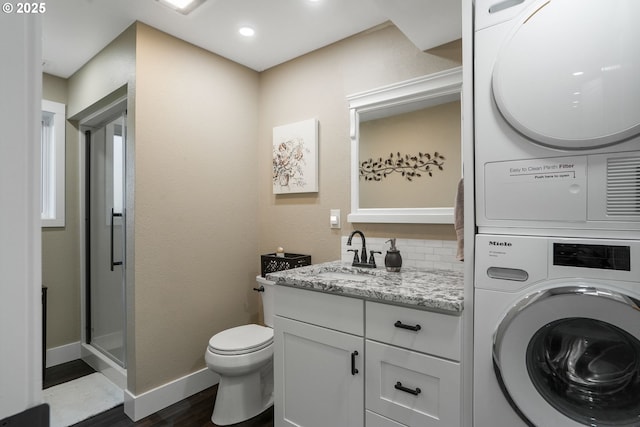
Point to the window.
(53, 167)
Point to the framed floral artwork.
(295, 157)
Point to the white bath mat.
(80, 399)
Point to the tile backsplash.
(438, 254)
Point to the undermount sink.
(336, 275)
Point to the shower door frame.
(89, 354)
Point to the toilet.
(243, 357)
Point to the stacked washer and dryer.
(557, 170)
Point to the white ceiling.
(75, 30)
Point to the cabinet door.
(319, 378)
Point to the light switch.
(334, 218)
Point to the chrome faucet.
(362, 260)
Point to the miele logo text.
(492, 243)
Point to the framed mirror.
(406, 150)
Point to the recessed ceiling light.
(247, 31)
(183, 6)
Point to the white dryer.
(556, 332)
(557, 115)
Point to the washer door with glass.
(567, 76)
(570, 356)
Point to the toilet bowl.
(243, 358)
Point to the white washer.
(556, 332)
(557, 115)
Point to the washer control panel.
(512, 263)
(583, 255)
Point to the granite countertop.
(440, 290)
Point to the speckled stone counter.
(440, 290)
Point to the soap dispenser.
(393, 260)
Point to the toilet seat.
(241, 340)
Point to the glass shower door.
(106, 240)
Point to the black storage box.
(270, 263)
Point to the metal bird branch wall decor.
(410, 166)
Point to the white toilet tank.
(267, 299)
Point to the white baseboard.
(154, 400)
(63, 354)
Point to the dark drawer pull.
(400, 387)
(401, 325)
(353, 363)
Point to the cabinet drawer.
(439, 334)
(412, 388)
(371, 419)
(331, 311)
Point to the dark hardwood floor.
(195, 411)
(65, 372)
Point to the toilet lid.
(241, 339)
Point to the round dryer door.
(567, 76)
(570, 356)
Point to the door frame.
(20, 247)
(110, 104)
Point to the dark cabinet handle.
(113, 263)
(353, 363)
(401, 325)
(260, 289)
(400, 387)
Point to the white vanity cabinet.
(318, 360)
(346, 362)
(412, 367)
